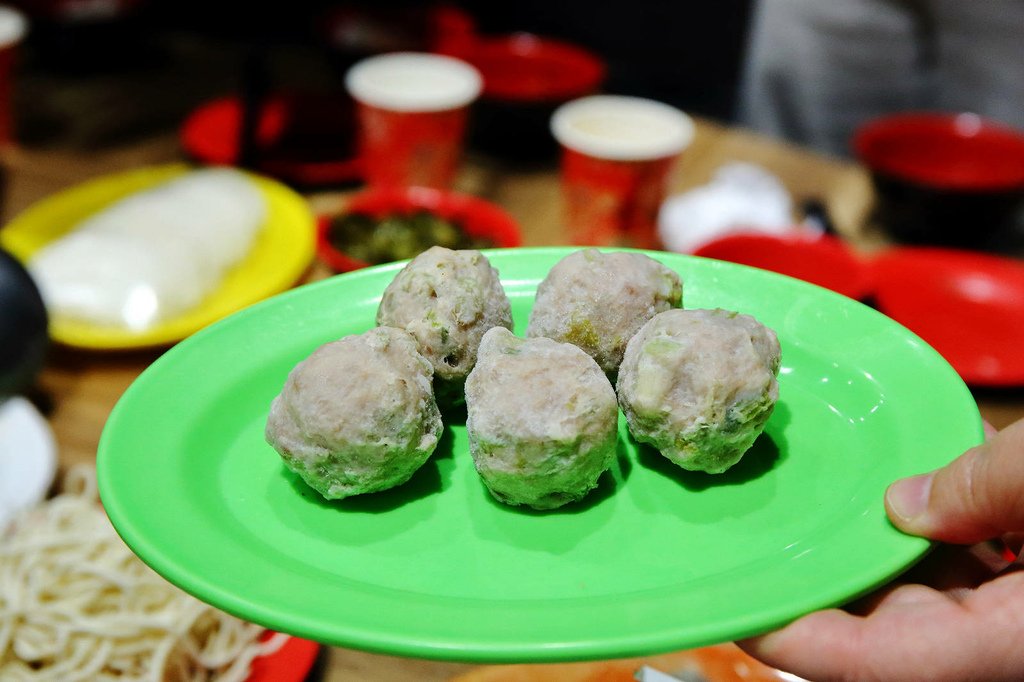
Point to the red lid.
(303, 139)
(968, 306)
(526, 67)
(946, 151)
(475, 216)
(818, 259)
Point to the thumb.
(976, 497)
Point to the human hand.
(959, 614)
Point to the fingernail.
(908, 497)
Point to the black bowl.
(945, 179)
(23, 327)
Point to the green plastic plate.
(655, 559)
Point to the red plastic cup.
(617, 157)
(411, 110)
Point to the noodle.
(76, 604)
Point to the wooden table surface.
(81, 388)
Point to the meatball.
(700, 385)
(597, 301)
(358, 415)
(542, 420)
(447, 300)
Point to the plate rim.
(514, 651)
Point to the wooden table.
(82, 387)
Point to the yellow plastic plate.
(279, 256)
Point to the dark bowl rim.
(938, 125)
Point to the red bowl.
(954, 152)
(523, 67)
(477, 217)
(818, 259)
(945, 179)
(525, 78)
(291, 663)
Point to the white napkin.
(740, 197)
(28, 457)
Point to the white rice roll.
(154, 254)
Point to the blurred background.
(196, 78)
(814, 71)
(874, 147)
(98, 73)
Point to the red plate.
(291, 663)
(818, 259)
(968, 306)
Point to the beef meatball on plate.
(597, 301)
(541, 418)
(447, 300)
(699, 385)
(358, 415)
